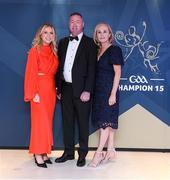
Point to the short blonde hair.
(95, 33)
(37, 41)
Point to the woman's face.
(47, 35)
(103, 34)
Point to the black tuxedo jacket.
(83, 70)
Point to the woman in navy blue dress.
(106, 96)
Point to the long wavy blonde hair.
(37, 41)
(95, 33)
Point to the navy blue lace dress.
(104, 115)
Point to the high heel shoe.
(97, 159)
(43, 165)
(110, 155)
(46, 159)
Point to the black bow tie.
(73, 37)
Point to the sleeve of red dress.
(30, 82)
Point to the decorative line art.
(132, 39)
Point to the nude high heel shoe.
(97, 159)
(110, 155)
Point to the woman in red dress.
(40, 91)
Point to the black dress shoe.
(64, 157)
(81, 162)
(48, 161)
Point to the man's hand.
(85, 96)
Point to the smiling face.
(47, 35)
(102, 34)
(76, 25)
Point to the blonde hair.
(37, 41)
(95, 33)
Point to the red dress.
(42, 65)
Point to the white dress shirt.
(70, 56)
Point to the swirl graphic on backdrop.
(132, 40)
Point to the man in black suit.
(77, 56)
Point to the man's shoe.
(81, 162)
(64, 157)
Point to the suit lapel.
(65, 45)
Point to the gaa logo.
(138, 79)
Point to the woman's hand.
(112, 99)
(36, 98)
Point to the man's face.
(76, 25)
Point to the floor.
(18, 164)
